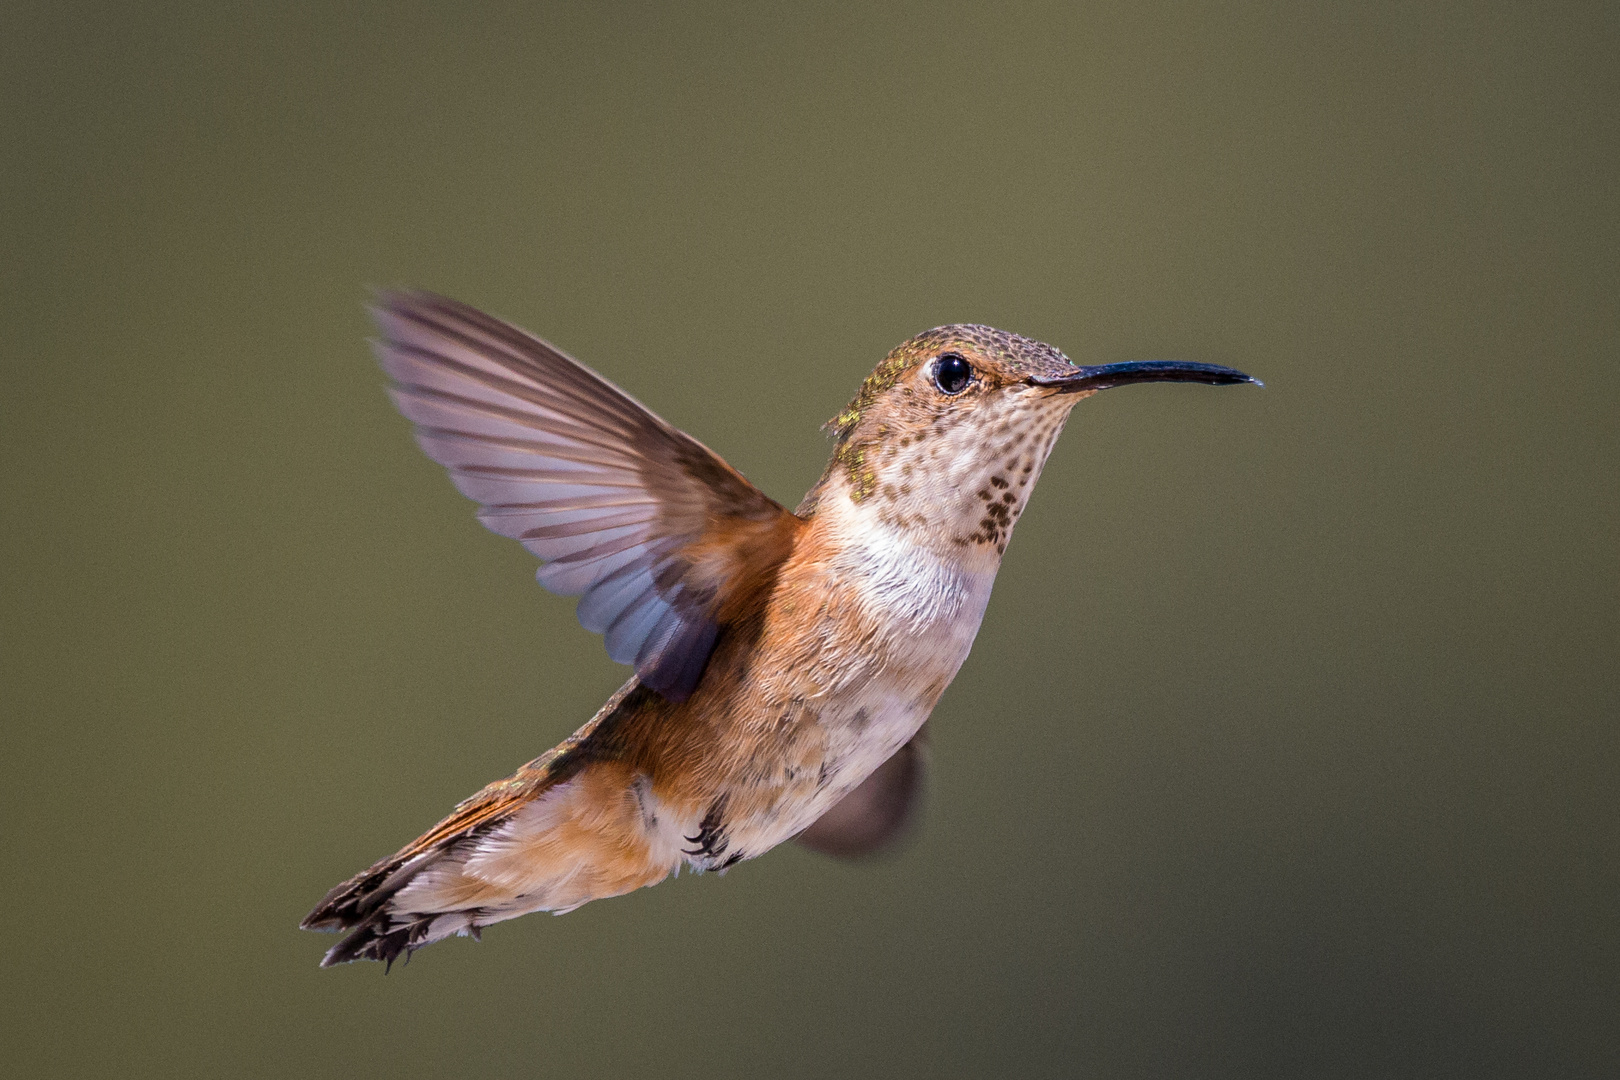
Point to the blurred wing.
(658, 536)
(879, 811)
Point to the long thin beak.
(1103, 376)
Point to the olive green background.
(1290, 745)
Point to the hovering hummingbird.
(785, 662)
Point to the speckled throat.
(961, 474)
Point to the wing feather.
(646, 525)
(880, 811)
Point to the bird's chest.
(881, 631)
(919, 613)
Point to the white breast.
(924, 608)
(926, 595)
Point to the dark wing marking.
(878, 812)
(649, 527)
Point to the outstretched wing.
(658, 536)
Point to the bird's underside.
(785, 662)
(581, 822)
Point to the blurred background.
(1291, 742)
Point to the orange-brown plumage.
(785, 662)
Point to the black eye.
(952, 374)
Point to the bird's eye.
(952, 374)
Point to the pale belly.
(861, 704)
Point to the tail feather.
(574, 825)
(533, 843)
(371, 941)
(363, 904)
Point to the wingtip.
(381, 298)
(389, 302)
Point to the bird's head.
(950, 431)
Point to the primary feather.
(641, 521)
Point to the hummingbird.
(785, 662)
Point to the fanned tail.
(379, 928)
(575, 825)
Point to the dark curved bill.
(1103, 376)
